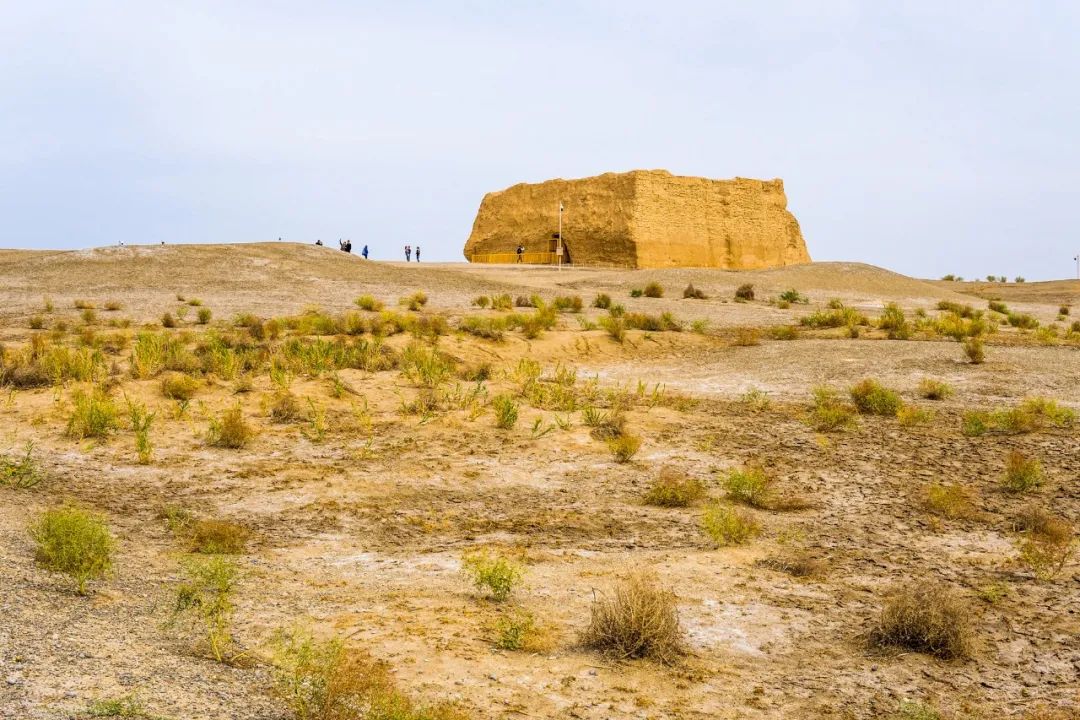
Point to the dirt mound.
(1057, 292)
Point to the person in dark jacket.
(364, 252)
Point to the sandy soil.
(362, 535)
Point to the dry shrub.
(324, 680)
(230, 430)
(934, 389)
(830, 413)
(638, 620)
(926, 617)
(952, 501)
(692, 293)
(909, 416)
(872, 398)
(1022, 473)
(518, 630)
(218, 537)
(975, 350)
(673, 488)
(624, 448)
(796, 563)
(178, 386)
(653, 290)
(745, 292)
(285, 407)
(728, 526)
(1047, 543)
(747, 337)
(495, 573)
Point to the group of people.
(345, 246)
(409, 251)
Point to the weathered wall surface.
(646, 219)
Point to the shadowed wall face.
(645, 219)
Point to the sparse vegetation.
(638, 620)
(894, 322)
(1022, 473)
(872, 398)
(218, 537)
(829, 413)
(178, 386)
(951, 501)
(75, 542)
(414, 302)
(692, 293)
(230, 430)
(204, 602)
(934, 389)
(653, 290)
(744, 292)
(793, 297)
(746, 337)
(21, 472)
(94, 414)
(496, 574)
(926, 617)
(672, 488)
(624, 447)
(506, 411)
(729, 526)
(602, 301)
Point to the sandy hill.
(284, 277)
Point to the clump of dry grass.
(178, 386)
(285, 407)
(975, 350)
(692, 293)
(796, 563)
(745, 292)
(829, 413)
(926, 617)
(653, 290)
(872, 398)
(951, 500)
(747, 337)
(218, 537)
(934, 389)
(638, 620)
(673, 488)
(1047, 543)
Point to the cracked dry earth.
(360, 534)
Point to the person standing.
(520, 252)
(408, 253)
(364, 252)
(417, 253)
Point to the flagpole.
(558, 247)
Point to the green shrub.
(218, 537)
(975, 350)
(125, 706)
(615, 327)
(141, 422)
(425, 366)
(653, 290)
(230, 430)
(483, 327)
(728, 526)
(749, 486)
(94, 414)
(1022, 473)
(517, 630)
(506, 411)
(964, 311)
(692, 293)
(37, 322)
(834, 318)
(369, 303)
(926, 617)
(204, 600)
(784, 332)
(911, 416)
(744, 292)
(602, 301)
(829, 413)
(950, 500)
(934, 389)
(203, 316)
(872, 398)
(75, 542)
(894, 322)
(624, 448)
(496, 574)
(998, 307)
(21, 472)
(638, 620)
(793, 297)
(501, 302)
(674, 489)
(1023, 321)
(570, 303)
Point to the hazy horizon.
(921, 138)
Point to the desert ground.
(375, 465)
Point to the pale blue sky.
(926, 137)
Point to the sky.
(925, 137)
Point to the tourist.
(319, 243)
(408, 253)
(364, 252)
(520, 252)
(417, 253)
